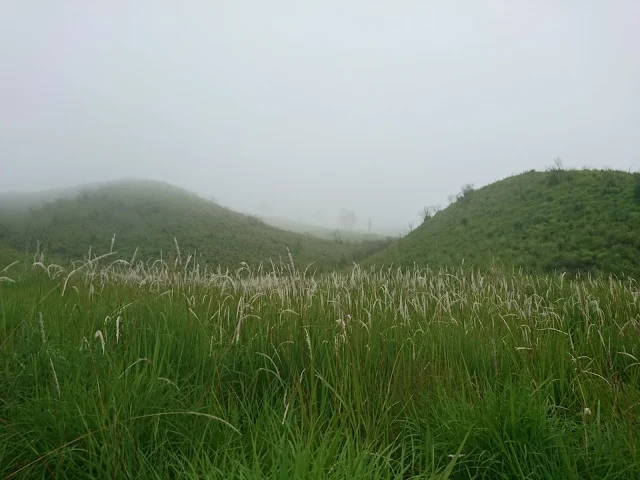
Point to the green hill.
(148, 215)
(559, 220)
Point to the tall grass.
(130, 369)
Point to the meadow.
(114, 368)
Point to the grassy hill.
(564, 220)
(149, 215)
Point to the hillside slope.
(560, 220)
(149, 215)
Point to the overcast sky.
(297, 109)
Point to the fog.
(299, 110)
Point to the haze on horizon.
(300, 110)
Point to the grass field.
(119, 370)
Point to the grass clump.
(137, 369)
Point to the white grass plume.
(100, 337)
(43, 334)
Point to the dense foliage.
(560, 220)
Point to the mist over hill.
(151, 217)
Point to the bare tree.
(467, 189)
(557, 163)
(556, 171)
(464, 194)
(427, 212)
(410, 227)
(370, 224)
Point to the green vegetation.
(7, 256)
(117, 370)
(559, 220)
(148, 215)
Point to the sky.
(300, 109)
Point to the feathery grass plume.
(100, 337)
(133, 258)
(113, 241)
(43, 335)
(146, 360)
(292, 265)
(56, 268)
(166, 380)
(88, 265)
(5, 269)
(118, 328)
(340, 338)
(307, 338)
(55, 378)
(178, 255)
(286, 408)
(84, 343)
